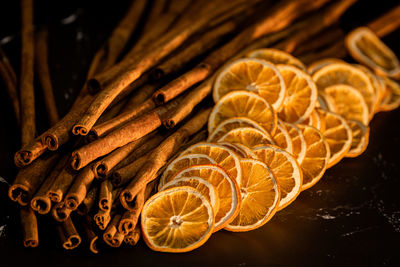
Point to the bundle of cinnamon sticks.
(94, 168)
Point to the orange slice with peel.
(376, 84)
(364, 46)
(315, 121)
(298, 142)
(253, 75)
(360, 138)
(260, 197)
(392, 100)
(179, 219)
(243, 104)
(282, 138)
(224, 157)
(316, 65)
(276, 56)
(316, 157)
(182, 162)
(231, 124)
(286, 170)
(348, 102)
(227, 191)
(301, 94)
(247, 136)
(337, 134)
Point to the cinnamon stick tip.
(51, 141)
(169, 123)
(100, 170)
(80, 130)
(41, 204)
(18, 193)
(75, 161)
(159, 98)
(22, 158)
(93, 245)
(31, 243)
(72, 242)
(93, 85)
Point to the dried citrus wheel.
(227, 191)
(337, 134)
(282, 138)
(316, 158)
(231, 124)
(376, 84)
(260, 197)
(348, 102)
(298, 142)
(179, 219)
(316, 65)
(182, 162)
(243, 104)
(360, 138)
(249, 153)
(277, 56)
(393, 100)
(247, 136)
(343, 73)
(322, 102)
(367, 48)
(315, 121)
(254, 75)
(301, 94)
(224, 157)
(238, 151)
(286, 170)
(201, 185)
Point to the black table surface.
(351, 217)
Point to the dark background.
(351, 217)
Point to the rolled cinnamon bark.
(77, 193)
(129, 132)
(89, 201)
(105, 195)
(29, 179)
(160, 156)
(61, 212)
(387, 23)
(90, 234)
(125, 174)
(133, 237)
(29, 227)
(111, 235)
(30, 152)
(42, 70)
(102, 167)
(62, 183)
(41, 202)
(103, 217)
(27, 95)
(9, 77)
(70, 238)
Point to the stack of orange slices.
(276, 127)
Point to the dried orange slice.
(360, 138)
(364, 46)
(247, 136)
(316, 65)
(316, 158)
(243, 104)
(376, 84)
(249, 153)
(224, 157)
(337, 134)
(182, 162)
(301, 94)
(343, 73)
(227, 191)
(238, 151)
(231, 124)
(277, 56)
(392, 101)
(298, 142)
(179, 219)
(282, 138)
(347, 102)
(253, 75)
(315, 121)
(260, 197)
(201, 185)
(286, 170)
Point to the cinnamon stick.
(9, 77)
(160, 156)
(27, 96)
(77, 193)
(90, 234)
(29, 179)
(62, 183)
(125, 174)
(111, 235)
(89, 201)
(61, 212)
(105, 195)
(129, 132)
(41, 202)
(42, 70)
(30, 152)
(29, 227)
(104, 166)
(133, 237)
(70, 238)
(386, 23)
(103, 217)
